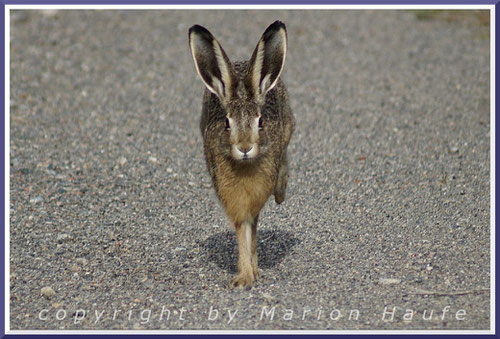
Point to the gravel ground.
(112, 209)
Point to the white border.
(7, 169)
(362, 332)
(8, 8)
(241, 7)
(492, 167)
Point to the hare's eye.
(260, 122)
(227, 124)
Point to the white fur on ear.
(211, 63)
(224, 70)
(281, 47)
(264, 85)
(268, 59)
(257, 66)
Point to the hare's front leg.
(255, 266)
(245, 275)
(281, 182)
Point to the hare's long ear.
(211, 62)
(268, 60)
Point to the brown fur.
(244, 186)
(244, 190)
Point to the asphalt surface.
(388, 208)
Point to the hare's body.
(244, 187)
(246, 125)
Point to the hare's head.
(241, 88)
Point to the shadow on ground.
(272, 247)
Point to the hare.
(246, 125)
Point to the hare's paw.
(255, 267)
(243, 281)
(281, 183)
(279, 196)
(280, 188)
(256, 272)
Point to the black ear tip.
(198, 29)
(276, 26)
(202, 31)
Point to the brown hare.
(246, 124)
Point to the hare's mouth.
(244, 153)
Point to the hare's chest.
(244, 193)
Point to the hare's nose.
(245, 149)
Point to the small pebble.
(61, 237)
(82, 261)
(389, 281)
(48, 292)
(36, 200)
(50, 172)
(122, 161)
(138, 326)
(268, 297)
